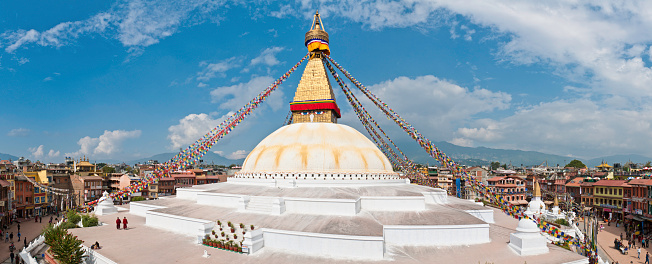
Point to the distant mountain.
(209, 158)
(4, 156)
(622, 159)
(484, 156)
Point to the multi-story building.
(586, 192)
(608, 198)
(59, 177)
(166, 186)
(573, 189)
(641, 195)
(511, 187)
(86, 188)
(23, 197)
(478, 173)
(5, 210)
(183, 179)
(445, 178)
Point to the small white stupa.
(105, 206)
(528, 239)
(555, 213)
(536, 205)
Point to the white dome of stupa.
(316, 148)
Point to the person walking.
(11, 236)
(40, 219)
(621, 235)
(639, 252)
(124, 223)
(6, 237)
(117, 223)
(647, 257)
(12, 257)
(18, 227)
(18, 236)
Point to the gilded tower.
(314, 100)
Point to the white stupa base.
(105, 206)
(527, 244)
(100, 210)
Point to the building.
(23, 197)
(608, 198)
(166, 186)
(511, 187)
(586, 192)
(60, 179)
(573, 189)
(638, 205)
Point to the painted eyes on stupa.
(312, 112)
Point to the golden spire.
(556, 201)
(314, 100)
(537, 190)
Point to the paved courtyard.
(143, 244)
(28, 229)
(606, 241)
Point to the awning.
(629, 216)
(4, 183)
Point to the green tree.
(648, 164)
(108, 169)
(68, 250)
(576, 164)
(53, 234)
(495, 165)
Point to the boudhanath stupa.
(321, 192)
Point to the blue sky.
(129, 79)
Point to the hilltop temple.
(319, 191)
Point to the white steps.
(260, 204)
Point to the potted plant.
(222, 234)
(219, 244)
(213, 232)
(252, 227)
(235, 236)
(232, 230)
(219, 223)
(241, 225)
(227, 237)
(229, 224)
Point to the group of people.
(124, 223)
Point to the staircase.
(259, 204)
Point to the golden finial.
(316, 38)
(537, 190)
(556, 201)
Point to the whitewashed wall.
(140, 209)
(436, 235)
(218, 199)
(322, 206)
(179, 224)
(326, 245)
(485, 215)
(436, 197)
(393, 203)
(189, 194)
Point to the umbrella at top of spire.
(316, 38)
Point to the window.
(620, 191)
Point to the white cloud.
(267, 57)
(235, 96)
(212, 70)
(238, 154)
(581, 127)
(192, 127)
(106, 144)
(53, 154)
(442, 105)
(136, 24)
(19, 132)
(37, 152)
(47, 79)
